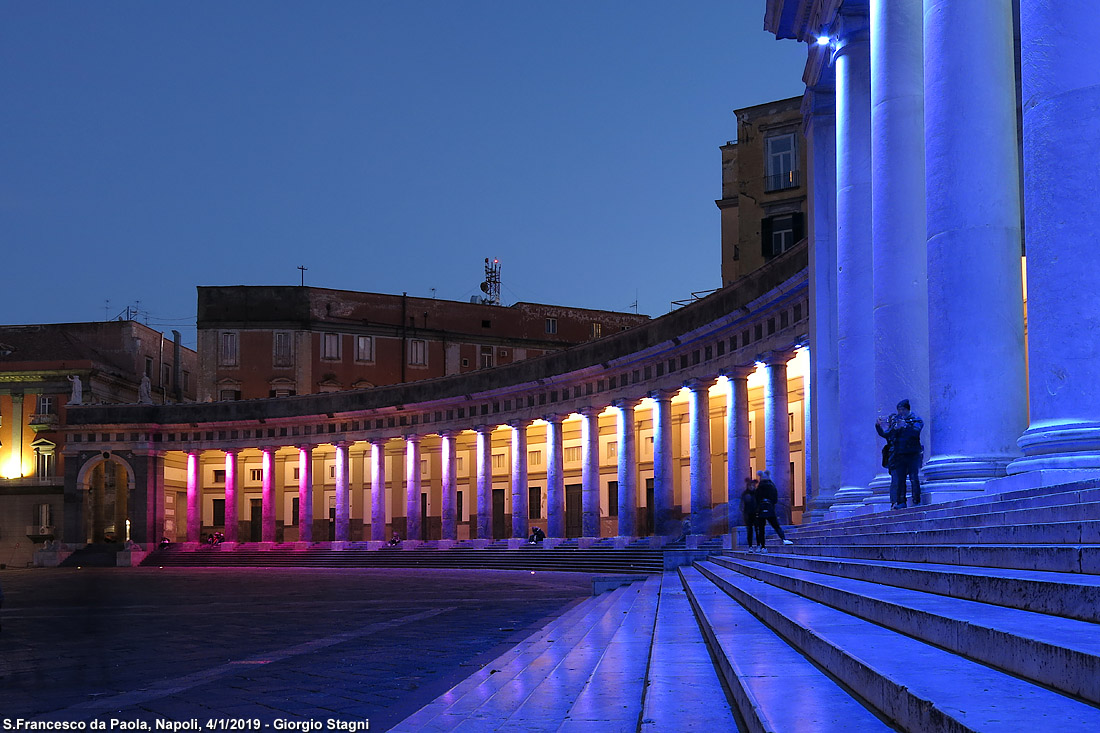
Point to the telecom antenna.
(491, 286)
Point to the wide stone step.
(919, 686)
(775, 687)
(1052, 558)
(1086, 532)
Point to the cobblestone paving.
(147, 644)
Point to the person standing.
(767, 496)
(748, 511)
(904, 453)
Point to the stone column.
(823, 406)
(627, 468)
(232, 499)
(305, 493)
(194, 497)
(663, 467)
(449, 491)
(975, 289)
(1061, 83)
(520, 514)
(412, 487)
(343, 516)
(859, 456)
(738, 466)
(555, 477)
(777, 436)
(378, 490)
(590, 471)
(484, 482)
(700, 475)
(267, 529)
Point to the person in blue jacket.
(904, 452)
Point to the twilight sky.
(147, 148)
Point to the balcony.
(43, 421)
(782, 181)
(40, 532)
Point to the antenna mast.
(491, 286)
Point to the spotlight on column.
(823, 40)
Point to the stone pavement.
(225, 645)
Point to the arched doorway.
(106, 487)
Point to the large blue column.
(777, 435)
(738, 466)
(663, 466)
(699, 473)
(627, 469)
(484, 482)
(520, 497)
(378, 490)
(555, 477)
(590, 471)
(413, 516)
(449, 491)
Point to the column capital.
(378, 441)
(194, 452)
(696, 384)
(484, 429)
(662, 395)
(624, 403)
(589, 411)
(777, 356)
(412, 437)
(269, 448)
(555, 418)
(739, 372)
(231, 451)
(519, 424)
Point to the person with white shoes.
(767, 496)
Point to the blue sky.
(147, 148)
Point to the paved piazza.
(239, 645)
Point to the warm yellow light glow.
(758, 377)
(647, 403)
(13, 468)
(538, 421)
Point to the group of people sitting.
(758, 502)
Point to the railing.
(42, 420)
(781, 181)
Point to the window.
(458, 506)
(780, 233)
(364, 348)
(332, 471)
(612, 450)
(256, 474)
(597, 330)
(282, 354)
(573, 455)
(42, 516)
(534, 458)
(219, 477)
(418, 352)
(45, 404)
(612, 498)
(187, 381)
(297, 473)
(551, 325)
(534, 502)
(44, 463)
(498, 460)
(486, 357)
(219, 512)
(781, 154)
(228, 395)
(459, 461)
(330, 346)
(790, 422)
(294, 511)
(227, 349)
(149, 367)
(166, 375)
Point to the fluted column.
(520, 514)
(267, 533)
(738, 465)
(627, 468)
(305, 493)
(663, 467)
(555, 477)
(859, 457)
(484, 482)
(700, 475)
(898, 214)
(342, 499)
(777, 436)
(378, 490)
(232, 498)
(590, 471)
(975, 290)
(194, 497)
(1061, 83)
(449, 518)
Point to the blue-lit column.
(305, 493)
(267, 513)
(700, 476)
(412, 487)
(449, 496)
(343, 516)
(738, 465)
(859, 456)
(665, 523)
(484, 482)
(975, 289)
(1061, 83)
(777, 435)
(520, 496)
(590, 471)
(378, 490)
(898, 214)
(555, 477)
(627, 468)
(194, 497)
(232, 486)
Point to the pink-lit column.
(520, 515)
(231, 499)
(412, 487)
(555, 477)
(305, 493)
(378, 490)
(449, 517)
(267, 533)
(627, 468)
(590, 471)
(194, 498)
(699, 406)
(738, 466)
(663, 467)
(484, 482)
(343, 516)
(777, 435)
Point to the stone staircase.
(978, 615)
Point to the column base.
(962, 473)
(848, 502)
(1037, 479)
(880, 485)
(1062, 446)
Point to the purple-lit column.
(231, 498)
(777, 436)
(378, 490)
(484, 482)
(699, 406)
(520, 515)
(449, 496)
(738, 466)
(305, 493)
(194, 498)
(343, 500)
(590, 471)
(663, 467)
(975, 282)
(412, 487)
(627, 468)
(555, 477)
(1061, 86)
(267, 533)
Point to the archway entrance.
(106, 491)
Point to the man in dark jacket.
(767, 497)
(902, 433)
